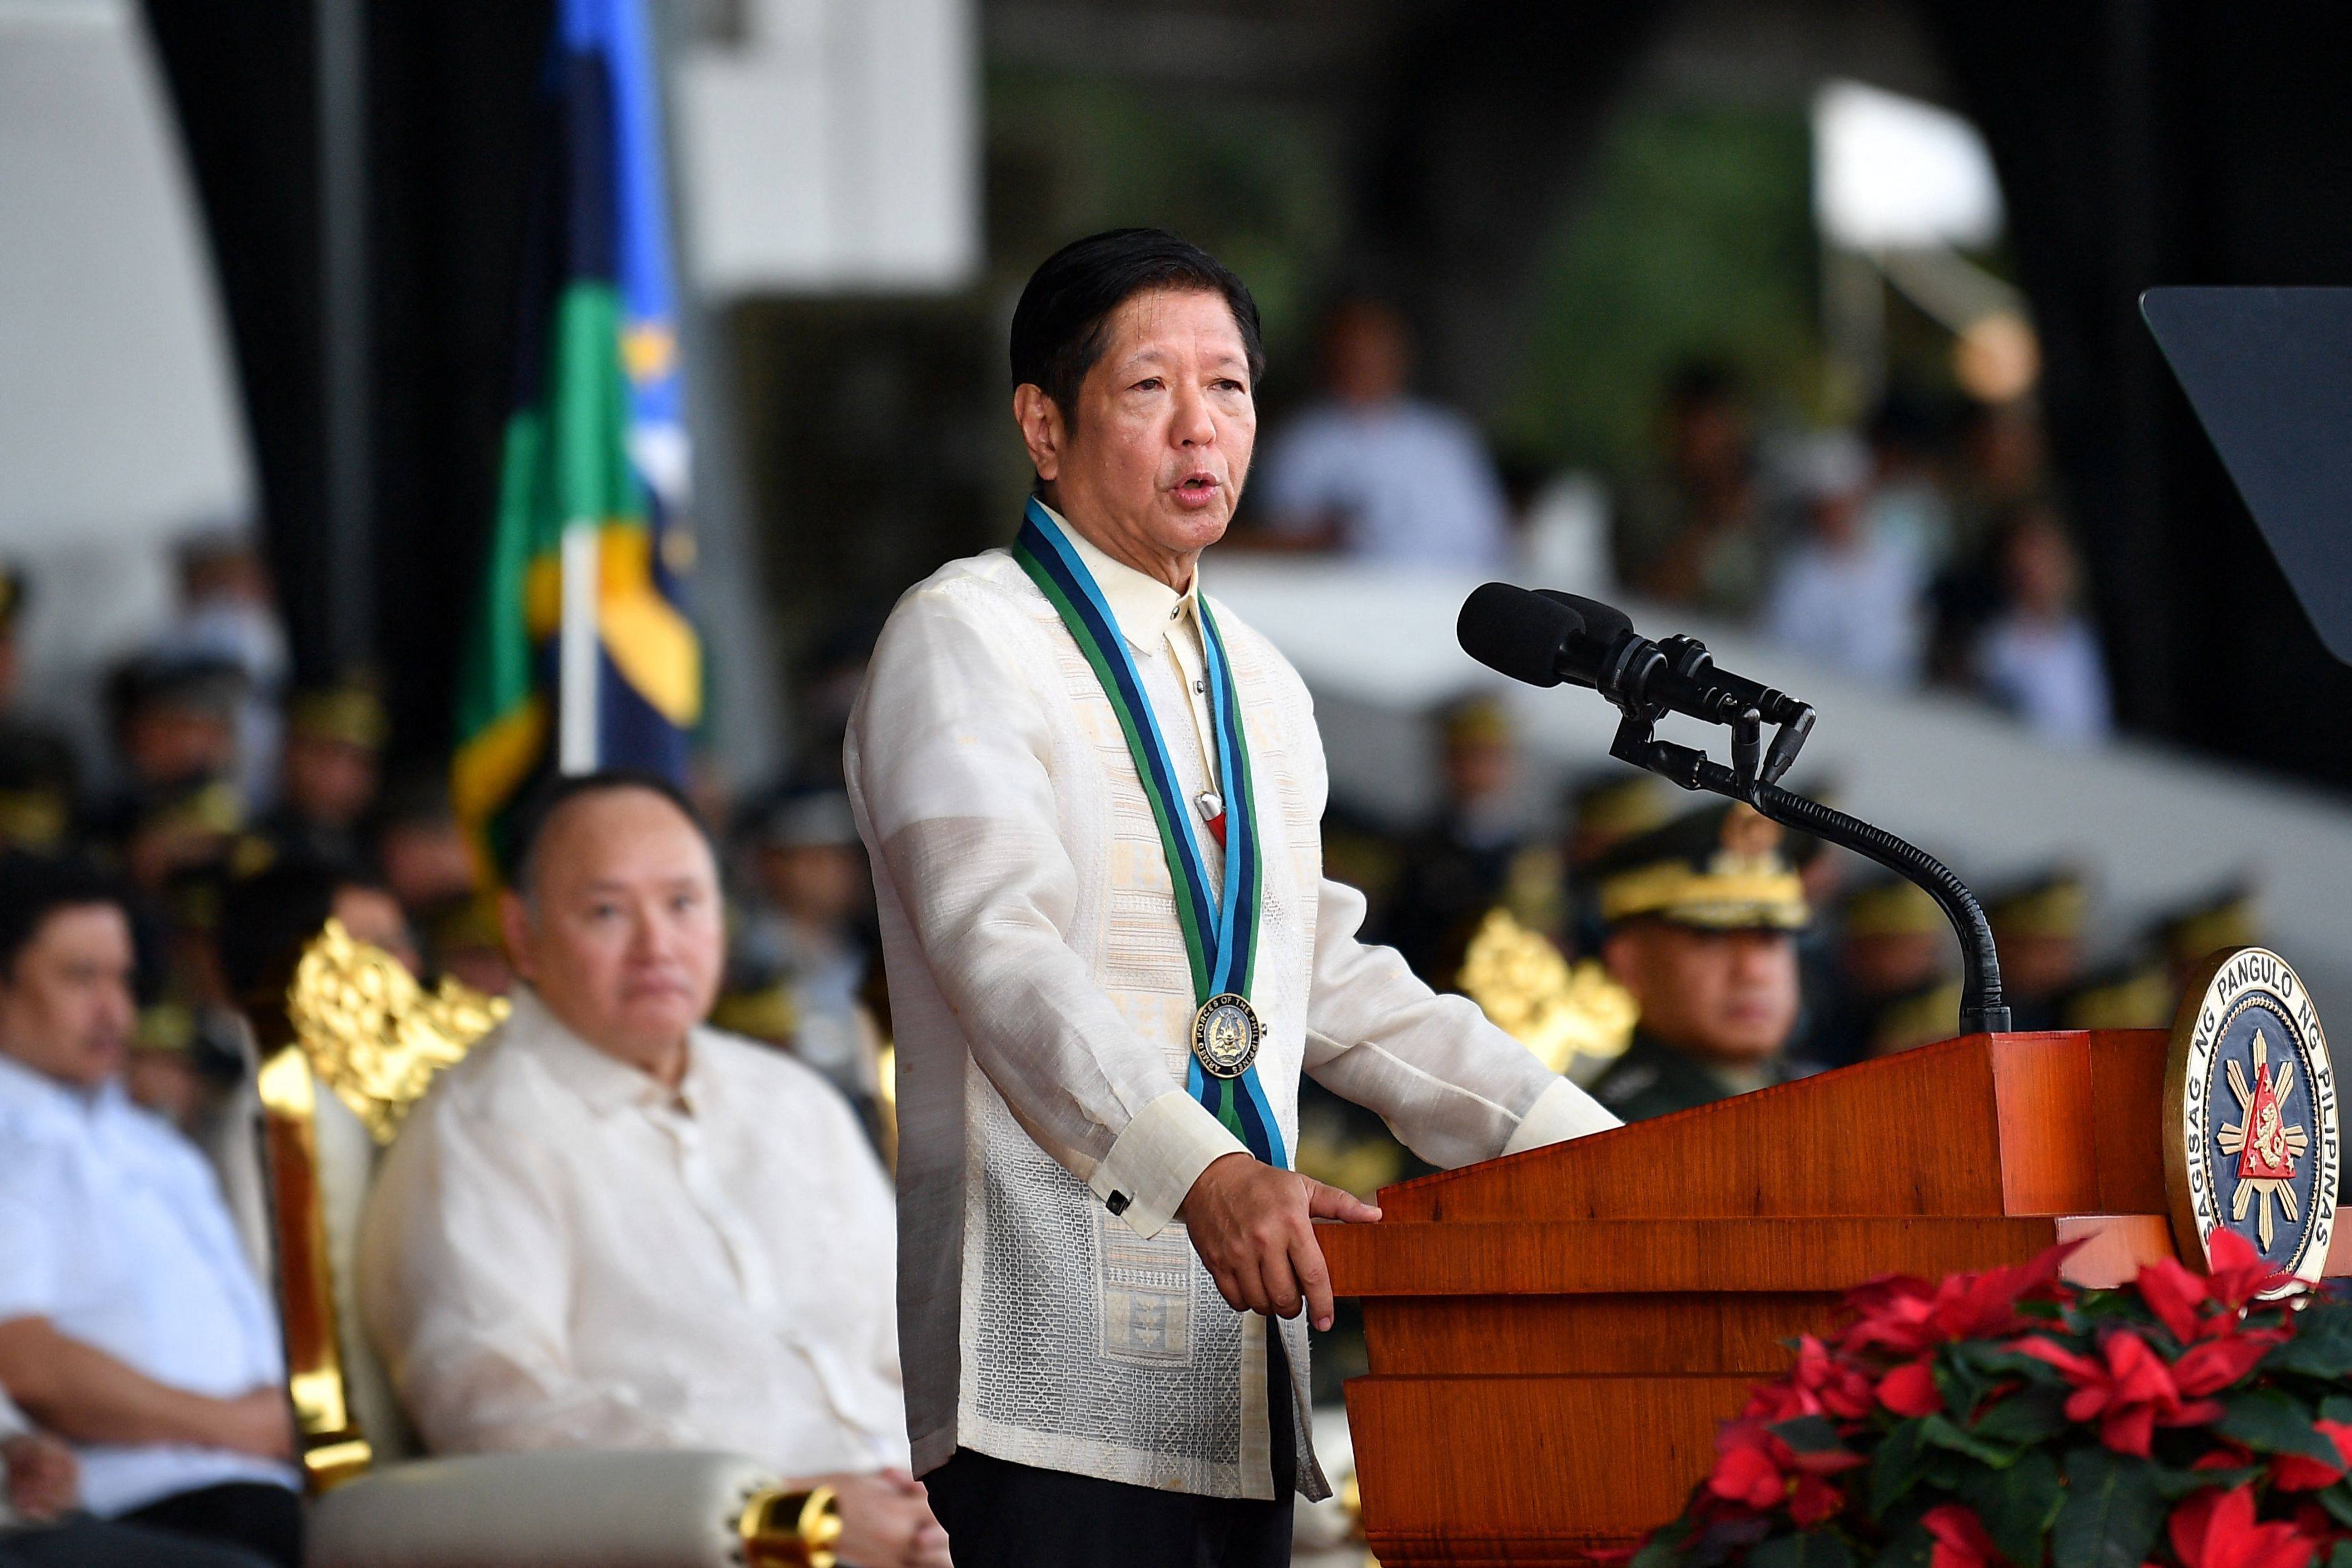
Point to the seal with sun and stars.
(2250, 1137)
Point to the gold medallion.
(1225, 1036)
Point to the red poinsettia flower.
(1961, 1541)
(2216, 1363)
(1747, 1469)
(1910, 1389)
(1838, 1388)
(1813, 1500)
(2178, 1298)
(2316, 1525)
(2301, 1473)
(2127, 1389)
(2217, 1530)
(1770, 1402)
(2238, 1274)
(1905, 1316)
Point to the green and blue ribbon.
(1221, 932)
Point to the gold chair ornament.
(1565, 1014)
(367, 1030)
(784, 1528)
(375, 1035)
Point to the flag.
(582, 654)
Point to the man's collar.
(25, 1086)
(1143, 605)
(604, 1082)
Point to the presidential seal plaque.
(2250, 1139)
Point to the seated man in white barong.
(612, 1228)
(1093, 798)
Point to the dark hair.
(267, 918)
(541, 807)
(1058, 326)
(34, 887)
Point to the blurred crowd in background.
(1924, 547)
(222, 796)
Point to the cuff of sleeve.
(1560, 1113)
(1155, 1162)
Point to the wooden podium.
(1555, 1336)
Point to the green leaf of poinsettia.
(2177, 1484)
(1910, 1547)
(1941, 1431)
(2322, 1346)
(1807, 1434)
(2034, 1415)
(2337, 1501)
(2271, 1422)
(1662, 1550)
(2112, 1512)
(1815, 1549)
(2018, 1505)
(2342, 1556)
(1901, 1460)
(1990, 1361)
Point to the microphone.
(1546, 636)
(1513, 632)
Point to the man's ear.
(1041, 429)
(1620, 954)
(514, 926)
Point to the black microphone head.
(1603, 623)
(1516, 633)
(1591, 656)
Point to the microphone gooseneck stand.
(1753, 779)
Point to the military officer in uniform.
(2038, 926)
(1701, 918)
(2188, 934)
(1463, 862)
(1894, 946)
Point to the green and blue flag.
(595, 461)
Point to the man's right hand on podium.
(1254, 1228)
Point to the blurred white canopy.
(120, 425)
(119, 415)
(1891, 173)
(832, 146)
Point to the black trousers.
(264, 1519)
(102, 1543)
(999, 1514)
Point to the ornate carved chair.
(1574, 1018)
(358, 1045)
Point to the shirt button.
(1117, 1203)
(1176, 614)
(1202, 685)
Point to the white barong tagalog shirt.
(1043, 1007)
(113, 1228)
(561, 1253)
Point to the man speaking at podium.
(1094, 798)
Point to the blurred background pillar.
(346, 333)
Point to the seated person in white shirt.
(612, 1228)
(130, 1321)
(40, 1490)
(1381, 474)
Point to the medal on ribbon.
(1221, 930)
